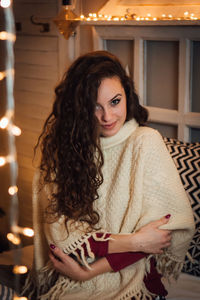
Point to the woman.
(108, 201)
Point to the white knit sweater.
(141, 184)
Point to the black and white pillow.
(6, 293)
(186, 157)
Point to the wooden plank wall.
(37, 72)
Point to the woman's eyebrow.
(115, 97)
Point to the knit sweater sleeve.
(164, 193)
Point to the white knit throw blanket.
(141, 184)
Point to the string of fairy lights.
(187, 16)
(151, 14)
(7, 124)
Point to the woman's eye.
(115, 102)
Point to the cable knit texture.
(141, 184)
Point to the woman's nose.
(107, 115)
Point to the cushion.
(192, 266)
(186, 157)
(6, 293)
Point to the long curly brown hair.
(71, 155)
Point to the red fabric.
(100, 249)
(153, 281)
(118, 261)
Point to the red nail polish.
(168, 216)
(52, 246)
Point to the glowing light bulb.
(12, 190)
(22, 230)
(19, 298)
(163, 15)
(28, 231)
(138, 19)
(90, 14)
(170, 16)
(88, 19)
(13, 238)
(186, 13)
(94, 15)
(2, 161)
(5, 3)
(4, 122)
(100, 15)
(116, 19)
(148, 15)
(2, 75)
(16, 130)
(20, 269)
(3, 35)
(82, 17)
(154, 18)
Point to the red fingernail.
(168, 216)
(52, 246)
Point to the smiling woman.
(108, 202)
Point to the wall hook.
(46, 26)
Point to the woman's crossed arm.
(149, 239)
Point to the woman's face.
(111, 106)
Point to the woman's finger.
(58, 252)
(162, 221)
(58, 265)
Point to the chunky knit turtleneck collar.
(127, 129)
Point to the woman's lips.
(109, 126)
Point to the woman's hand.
(67, 266)
(148, 239)
(151, 239)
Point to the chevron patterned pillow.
(6, 292)
(186, 157)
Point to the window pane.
(162, 73)
(123, 49)
(195, 77)
(166, 130)
(194, 135)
